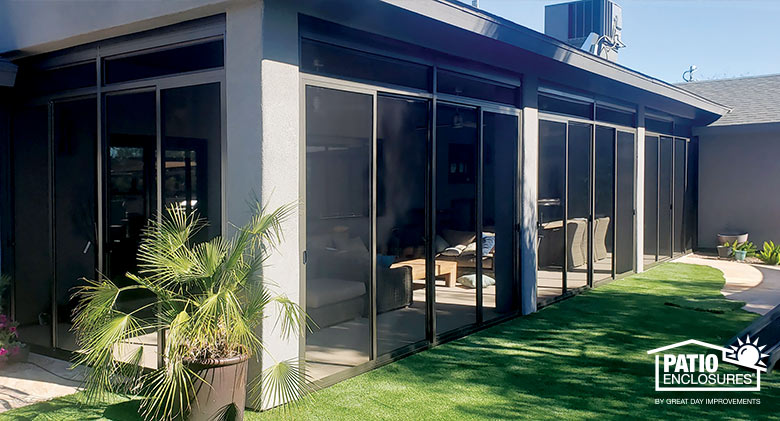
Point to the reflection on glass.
(401, 165)
(455, 242)
(191, 140)
(74, 149)
(665, 198)
(552, 159)
(624, 258)
(131, 136)
(338, 163)
(499, 293)
(679, 194)
(578, 201)
(603, 219)
(32, 250)
(651, 199)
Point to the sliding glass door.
(604, 207)
(551, 202)
(651, 200)
(665, 178)
(624, 238)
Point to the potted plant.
(724, 251)
(742, 250)
(11, 350)
(770, 254)
(209, 300)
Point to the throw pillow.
(440, 244)
(384, 261)
(488, 243)
(470, 281)
(454, 237)
(453, 251)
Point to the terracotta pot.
(227, 379)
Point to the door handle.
(86, 247)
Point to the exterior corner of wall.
(528, 199)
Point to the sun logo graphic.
(679, 368)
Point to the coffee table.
(445, 269)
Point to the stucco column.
(529, 171)
(640, 190)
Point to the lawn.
(583, 358)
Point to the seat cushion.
(325, 291)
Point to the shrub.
(770, 254)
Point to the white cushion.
(325, 291)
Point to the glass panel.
(208, 55)
(339, 127)
(461, 85)
(402, 166)
(624, 247)
(75, 213)
(659, 126)
(563, 106)
(665, 199)
(191, 133)
(552, 173)
(499, 173)
(36, 82)
(455, 242)
(651, 200)
(609, 115)
(604, 219)
(32, 226)
(578, 205)
(321, 58)
(679, 194)
(131, 139)
(692, 196)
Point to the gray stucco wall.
(738, 170)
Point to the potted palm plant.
(209, 300)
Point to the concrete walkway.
(757, 285)
(26, 383)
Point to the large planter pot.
(739, 255)
(731, 238)
(226, 387)
(724, 252)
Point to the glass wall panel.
(499, 157)
(339, 131)
(208, 55)
(692, 195)
(604, 188)
(456, 206)
(191, 139)
(679, 195)
(131, 197)
(665, 198)
(552, 176)
(401, 168)
(32, 226)
(558, 105)
(651, 200)
(75, 210)
(578, 205)
(462, 85)
(624, 241)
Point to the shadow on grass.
(123, 411)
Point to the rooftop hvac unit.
(593, 25)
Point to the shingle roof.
(753, 99)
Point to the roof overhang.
(7, 73)
(480, 22)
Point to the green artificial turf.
(583, 358)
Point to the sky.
(723, 38)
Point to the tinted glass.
(552, 176)
(75, 213)
(679, 195)
(36, 82)
(665, 197)
(658, 126)
(578, 205)
(498, 215)
(208, 55)
(462, 85)
(563, 106)
(131, 131)
(624, 246)
(191, 139)
(692, 195)
(456, 206)
(339, 133)
(651, 199)
(32, 229)
(610, 115)
(402, 156)
(327, 59)
(604, 188)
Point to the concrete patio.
(22, 384)
(755, 284)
